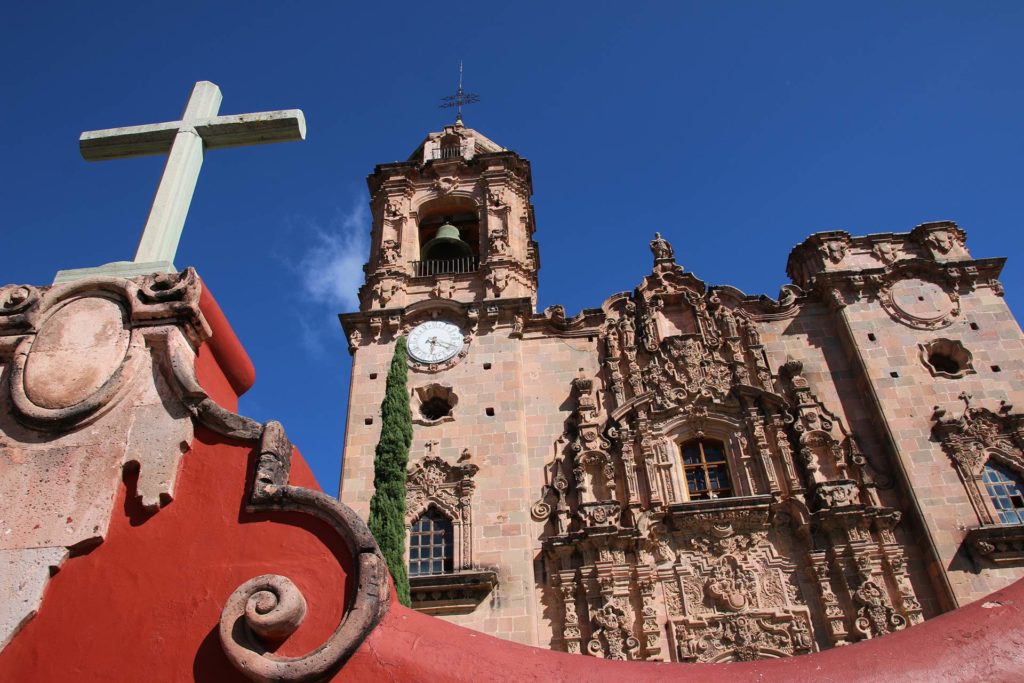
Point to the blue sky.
(736, 129)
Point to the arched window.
(430, 544)
(1006, 490)
(706, 470)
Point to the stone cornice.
(510, 161)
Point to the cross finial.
(185, 143)
(459, 98)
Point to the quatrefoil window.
(946, 358)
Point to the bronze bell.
(446, 245)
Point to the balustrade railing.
(449, 266)
(452, 152)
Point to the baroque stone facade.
(688, 473)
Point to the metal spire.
(459, 98)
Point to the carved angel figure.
(499, 243)
(389, 253)
(628, 332)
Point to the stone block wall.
(909, 391)
(525, 382)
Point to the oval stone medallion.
(77, 349)
(922, 304)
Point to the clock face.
(435, 341)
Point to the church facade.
(685, 473)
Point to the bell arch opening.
(449, 236)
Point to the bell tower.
(453, 268)
(453, 221)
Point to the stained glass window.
(1006, 490)
(707, 473)
(430, 544)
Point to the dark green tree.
(387, 507)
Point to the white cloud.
(331, 268)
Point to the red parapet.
(983, 641)
(225, 346)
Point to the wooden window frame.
(704, 466)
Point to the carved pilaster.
(835, 617)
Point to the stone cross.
(184, 142)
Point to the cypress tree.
(387, 507)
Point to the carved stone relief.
(449, 488)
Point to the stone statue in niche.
(612, 340)
(628, 332)
(728, 322)
(750, 333)
(518, 323)
(499, 243)
(389, 253)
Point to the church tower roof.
(454, 141)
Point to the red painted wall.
(144, 604)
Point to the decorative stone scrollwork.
(17, 298)
(941, 241)
(445, 185)
(884, 251)
(729, 586)
(742, 637)
(834, 249)
(271, 606)
(875, 617)
(386, 289)
(393, 210)
(836, 494)
(680, 363)
(600, 513)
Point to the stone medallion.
(920, 304)
(76, 351)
